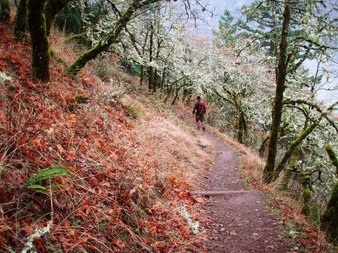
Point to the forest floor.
(239, 220)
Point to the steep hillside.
(86, 167)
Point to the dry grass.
(132, 161)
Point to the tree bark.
(110, 39)
(278, 102)
(242, 128)
(263, 146)
(332, 157)
(4, 11)
(20, 20)
(329, 220)
(53, 7)
(39, 41)
(293, 147)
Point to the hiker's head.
(198, 97)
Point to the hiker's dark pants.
(200, 117)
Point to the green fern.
(51, 172)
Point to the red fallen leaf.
(118, 243)
(5, 196)
(313, 235)
(66, 244)
(13, 57)
(27, 229)
(182, 195)
(153, 231)
(23, 141)
(117, 208)
(71, 118)
(98, 190)
(148, 241)
(160, 245)
(199, 245)
(39, 245)
(2, 67)
(2, 239)
(126, 197)
(198, 199)
(60, 148)
(70, 155)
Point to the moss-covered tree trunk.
(151, 84)
(329, 219)
(20, 20)
(242, 128)
(293, 147)
(53, 7)
(39, 41)
(142, 75)
(163, 78)
(143, 67)
(263, 146)
(170, 88)
(177, 92)
(110, 39)
(4, 11)
(278, 102)
(332, 157)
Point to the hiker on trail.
(200, 108)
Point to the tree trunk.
(170, 88)
(241, 126)
(263, 146)
(142, 75)
(143, 53)
(110, 39)
(53, 7)
(4, 11)
(278, 102)
(330, 218)
(329, 221)
(163, 79)
(293, 147)
(156, 80)
(39, 41)
(151, 84)
(332, 157)
(176, 94)
(20, 20)
(307, 196)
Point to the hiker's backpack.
(201, 109)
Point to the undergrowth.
(131, 167)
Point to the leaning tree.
(41, 14)
(291, 33)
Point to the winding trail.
(239, 221)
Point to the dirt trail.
(239, 222)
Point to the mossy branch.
(293, 147)
(110, 39)
(332, 157)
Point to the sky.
(218, 7)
